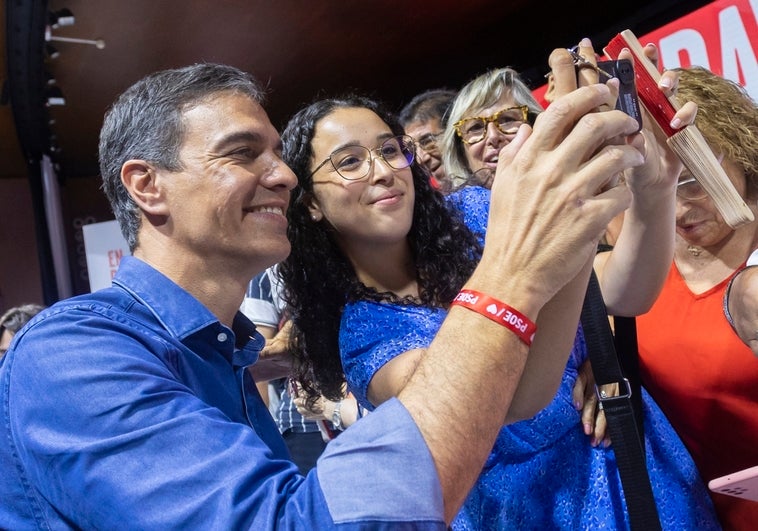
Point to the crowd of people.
(356, 269)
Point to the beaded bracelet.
(499, 312)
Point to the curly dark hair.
(319, 279)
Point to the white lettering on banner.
(686, 41)
(739, 62)
(721, 36)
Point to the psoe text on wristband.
(499, 312)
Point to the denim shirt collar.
(182, 315)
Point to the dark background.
(299, 49)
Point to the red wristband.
(499, 312)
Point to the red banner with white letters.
(721, 36)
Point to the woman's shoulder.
(473, 204)
(370, 323)
(378, 313)
(373, 333)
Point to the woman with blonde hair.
(485, 116)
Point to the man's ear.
(140, 179)
(313, 207)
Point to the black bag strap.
(623, 428)
(625, 341)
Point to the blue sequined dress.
(542, 472)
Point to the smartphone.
(743, 484)
(623, 70)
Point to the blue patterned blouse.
(542, 472)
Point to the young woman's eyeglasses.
(354, 162)
(473, 130)
(690, 190)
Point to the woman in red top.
(700, 373)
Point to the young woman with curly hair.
(377, 257)
(319, 275)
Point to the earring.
(314, 217)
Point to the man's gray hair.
(146, 123)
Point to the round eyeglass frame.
(405, 142)
(680, 190)
(524, 109)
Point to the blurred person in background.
(305, 431)
(13, 320)
(424, 119)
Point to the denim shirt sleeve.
(101, 429)
(385, 458)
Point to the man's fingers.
(609, 203)
(564, 72)
(510, 150)
(610, 161)
(563, 114)
(597, 142)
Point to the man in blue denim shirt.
(131, 407)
